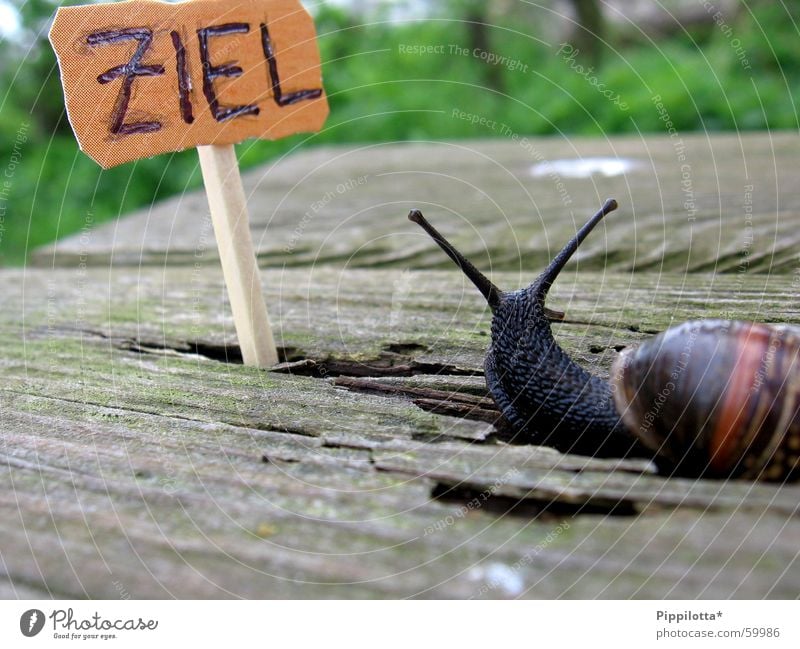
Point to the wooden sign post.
(143, 77)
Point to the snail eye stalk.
(546, 279)
(485, 286)
(492, 294)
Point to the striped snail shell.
(708, 398)
(715, 398)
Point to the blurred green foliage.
(742, 74)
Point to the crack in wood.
(599, 349)
(388, 363)
(467, 411)
(635, 328)
(362, 385)
(534, 507)
(440, 402)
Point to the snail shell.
(715, 398)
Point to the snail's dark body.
(709, 398)
(545, 396)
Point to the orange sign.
(142, 77)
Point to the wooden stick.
(232, 229)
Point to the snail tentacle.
(546, 279)
(485, 286)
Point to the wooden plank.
(375, 321)
(135, 462)
(726, 202)
(11, 590)
(197, 516)
(95, 545)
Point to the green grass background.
(378, 91)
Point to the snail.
(707, 398)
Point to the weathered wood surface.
(724, 203)
(136, 463)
